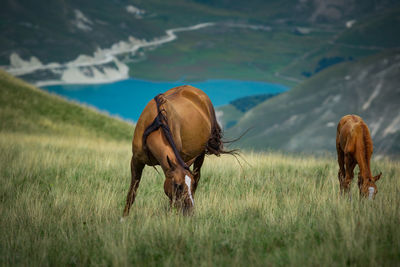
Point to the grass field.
(61, 199)
(64, 182)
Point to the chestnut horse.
(354, 146)
(175, 130)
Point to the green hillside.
(304, 119)
(378, 31)
(224, 52)
(56, 32)
(288, 51)
(28, 110)
(275, 41)
(229, 115)
(368, 35)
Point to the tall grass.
(61, 199)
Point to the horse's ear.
(376, 178)
(171, 165)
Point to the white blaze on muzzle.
(371, 192)
(188, 182)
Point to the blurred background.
(290, 69)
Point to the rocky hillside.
(305, 118)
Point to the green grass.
(62, 194)
(61, 199)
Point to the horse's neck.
(363, 160)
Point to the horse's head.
(179, 186)
(368, 187)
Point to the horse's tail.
(215, 144)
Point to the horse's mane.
(162, 121)
(367, 142)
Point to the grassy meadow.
(63, 190)
(61, 200)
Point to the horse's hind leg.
(341, 173)
(196, 170)
(136, 170)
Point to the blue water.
(128, 98)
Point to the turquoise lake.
(128, 98)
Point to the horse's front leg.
(350, 165)
(342, 172)
(136, 171)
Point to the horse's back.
(182, 96)
(190, 118)
(352, 132)
(347, 121)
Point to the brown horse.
(175, 130)
(354, 146)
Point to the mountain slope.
(305, 118)
(261, 40)
(29, 110)
(378, 31)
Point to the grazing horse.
(354, 146)
(175, 130)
